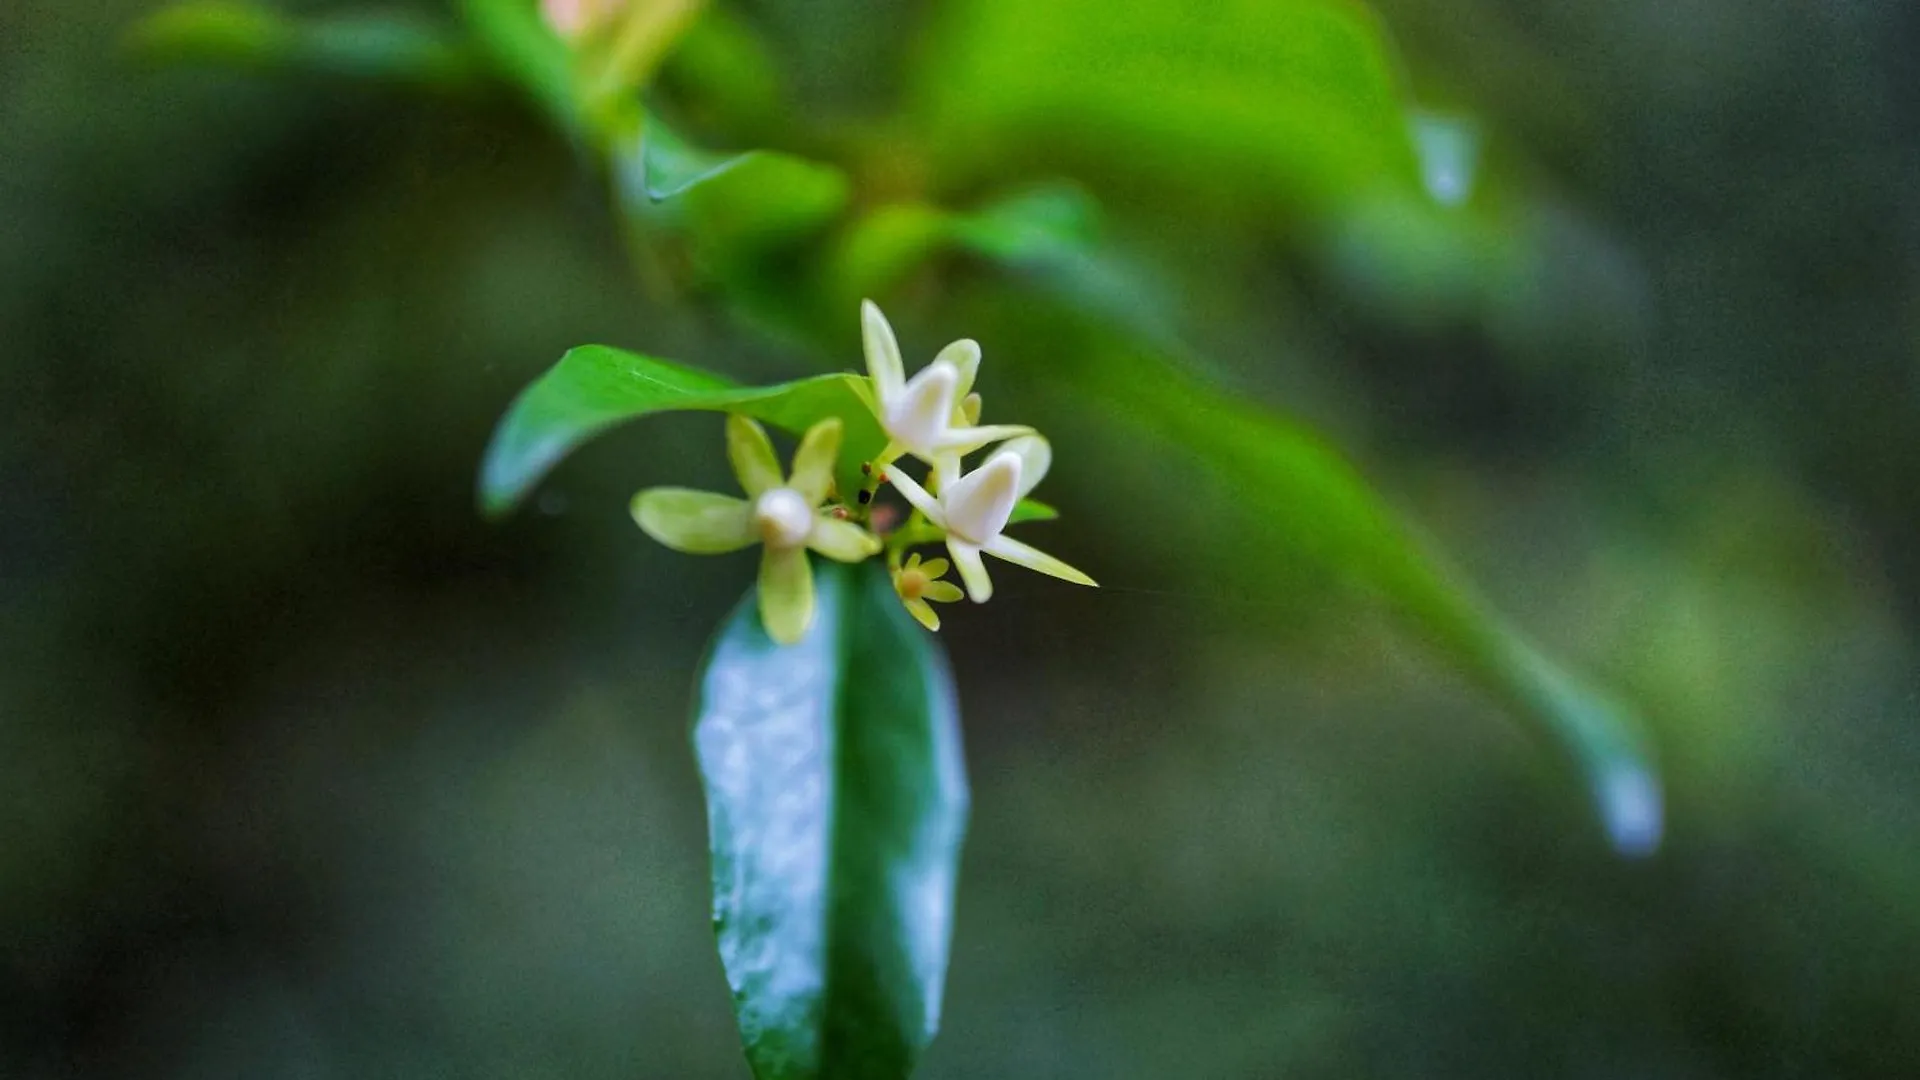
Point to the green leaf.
(392, 46)
(1038, 225)
(1049, 235)
(743, 215)
(1306, 505)
(1053, 235)
(1296, 101)
(661, 164)
(594, 387)
(763, 202)
(723, 69)
(836, 802)
(528, 53)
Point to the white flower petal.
(883, 352)
(786, 594)
(918, 418)
(1006, 547)
(842, 541)
(978, 504)
(1036, 457)
(973, 569)
(696, 522)
(751, 454)
(965, 440)
(964, 355)
(813, 461)
(916, 495)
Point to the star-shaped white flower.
(924, 415)
(780, 512)
(973, 509)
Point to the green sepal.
(1031, 510)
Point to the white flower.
(924, 416)
(780, 511)
(973, 509)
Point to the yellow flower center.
(911, 584)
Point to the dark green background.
(307, 772)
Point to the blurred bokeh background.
(306, 771)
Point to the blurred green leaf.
(594, 387)
(1053, 235)
(1049, 233)
(1038, 225)
(1304, 503)
(530, 55)
(837, 802)
(882, 246)
(766, 202)
(725, 73)
(661, 164)
(1288, 100)
(382, 45)
(738, 212)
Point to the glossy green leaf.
(594, 387)
(836, 803)
(1305, 504)
(391, 46)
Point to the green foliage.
(662, 164)
(1049, 232)
(836, 800)
(1671, 439)
(594, 387)
(1303, 502)
(394, 47)
(835, 790)
(527, 54)
(1290, 101)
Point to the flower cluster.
(933, 417)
